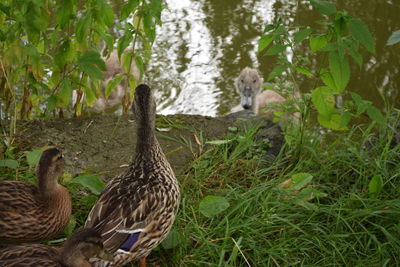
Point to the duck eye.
(254, 81)
(242, 80)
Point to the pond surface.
(204, 44)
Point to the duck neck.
(47, 183)
(146, 139)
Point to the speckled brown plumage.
(75, 252)
(137, 208)
(31, 213)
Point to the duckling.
(248, 85)
(76, 252)
(114, 67)
(31, 213)
(137, 208)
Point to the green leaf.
(33, 157)
(340, 70)
(128, 8)
(276, 72)
(90, 95)
(334, 121)
(275, 49)
(82, 27)
(69, 230)
(375, 186)
(323, 100)
(357, 57)
(9, 163)
(91, 63)
(51, 102)
(64, 95)
(113, 83)
(323, 7)
(107, 13)
(210, 206)
(123, 43)
(64, 13)
(92, 182)
(139, 64)
(394, 38)
(326, 77)
(264, 42)
(173, 239)
(303, 71)
(299, 180)
(148, 27)
(376, 115)
(318, 42)
(361, 33)
(302, 34)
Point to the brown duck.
(31, 213)
(76, 252)
(137, 208)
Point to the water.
(204, 44)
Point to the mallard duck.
(76, 252)
(31, 213)
(248, 85)
(137, 208)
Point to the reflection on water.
(203, 45)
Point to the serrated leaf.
(64, 13)
(123, 43)
(210, 206)
(107, 13)
(276, 72)
(148, 27)
(303, 71)
(340, 70)
(128, 8)
(275, 49)
(91, 182)
(64, 95)
(360, 32)
(394, 38)
(375, 186)
(33, 157)
(113, 83)
(264, 42)
(9, 163)
(323, 7)
(82, 27)
(91, 63)
(302, 34)
(51, 102)
(357, 57)
(318, 42)
(376, 115)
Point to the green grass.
(267, 225)
(332, 221)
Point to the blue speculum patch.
(130, 241)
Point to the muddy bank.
(105, 144)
